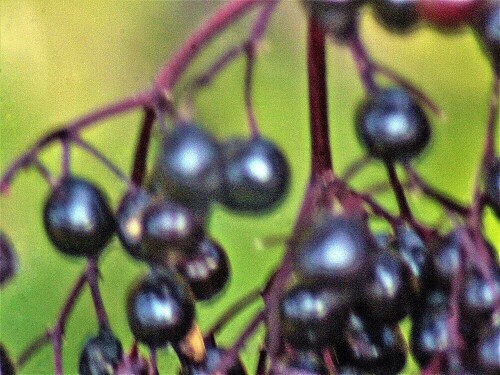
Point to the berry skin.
(380, 350)
(396, 15)
(168, 226)
(412, 250)
(78, 219)
(311, 316)
(487, 353)
(101, 354)
(189, 166)
(6, 365)
(302, 362)
(448, 14)
(479, 297)
(8, 259)
(392, 126)
(493, 174)
(160, 309)
(336, 251)
(388, 294)
(209, 365)
(129, 220)
(256, 175)
(206, 269)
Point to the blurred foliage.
(59, 60)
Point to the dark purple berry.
(101, 354)
(392, 125)
(397, 15)
(206, 269)
(336, 251)
(6, 364)
(389, 290)
(129, 220)
(412, 250)
(479, 296)
(168, 226)
(376, 349)
(430, 335)
(311, 316)
(256, 175)
(190, 165)
(493, 175)
(77, 218)
(160, 309)
(8, 259)
(209, 365)
(487, 352)
(298, 361)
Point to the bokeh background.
(60, 59)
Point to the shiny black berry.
(206, 269)
(101, 354)
(376, 349)
(168, 226)
(388, 294)
(311, 316)
(412, 250)
(129, 220)
(77, 218)
(487, 352)
(302, 361)
(6, 364)
(392, 126)
(210, 363)
(256, 175)
(335, 251)
(189, 166)
(8, 259)
(160, 309)
(493, 177)
(396, 15)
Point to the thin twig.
(92, 274)
(399, 192)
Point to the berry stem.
(65, 158)
(99, 156)
(318, 109)
(328, 360)
(58, 330)
(44, 172)
(153, 363)
(232, 311)
(231, 356)
(261, 363)
(432, 193)
(356, 167)
(229, 13)
(92, 274)
(363, 63)
(404, 208)
(141, 150)
(26, 159)
(252, 122)
(37, 344)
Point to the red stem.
(318, 108)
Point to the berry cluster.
(335, 303)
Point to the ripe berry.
(487, 352)
(479, 296)
(8, 259)
(448, 14)
(256, 175)
(311, 316)
(101, 354)
(338, 18)
(206, 269)
(77, 218)
(412, 250)
(209, 365)
(388, 294)
(129, 220)
(377, 349)
(392, 126)
(493, 175)
(168, 226)
(160, 309)
(299, 361)
(336, 251)
(6, 365)
(189, 165)
(396, 15)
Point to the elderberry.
(397, 15)
(101, 354)
(77, 218)
(392, 126)
(8, 259)
(160, 308)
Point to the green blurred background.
(60, 59)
